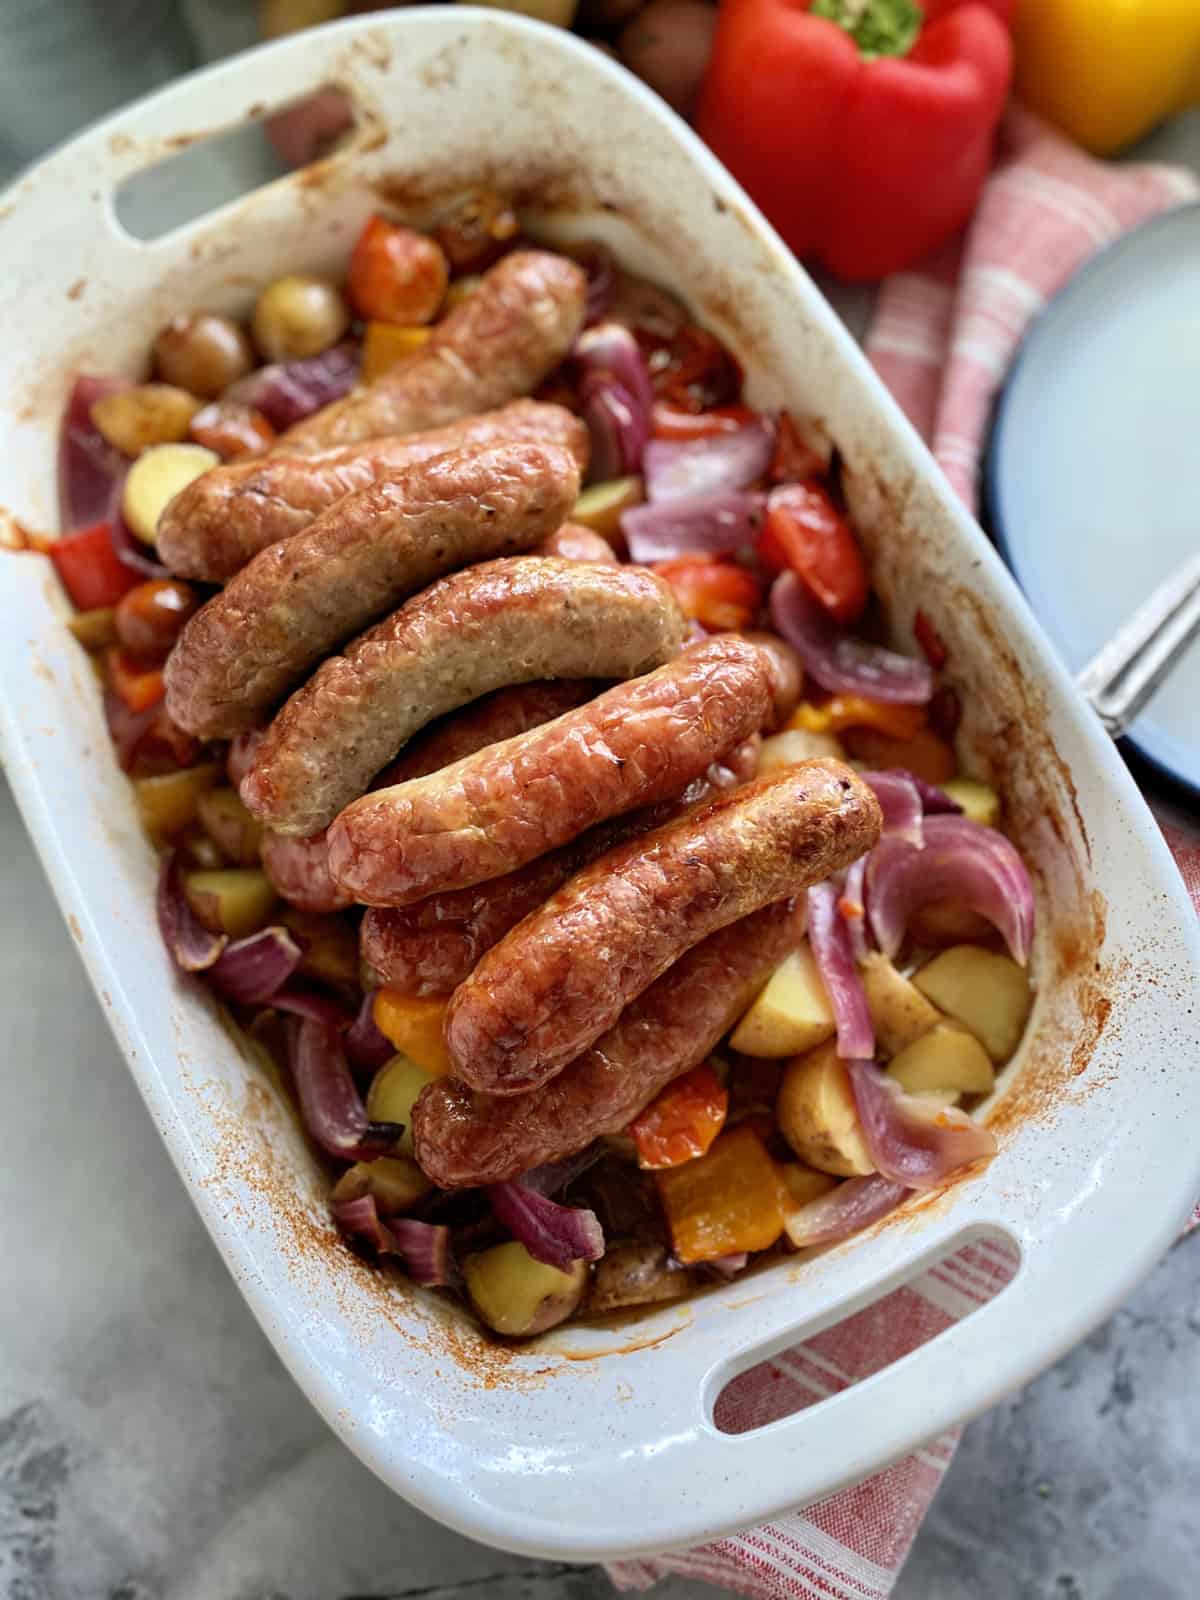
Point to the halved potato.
(985, 991)
(233, 900)
(518, 1296)
(979, 801)
(167, 804)
(899, 1011)
(797, 744)
(393, 1090)
(396, 1182)
(156, 477)
(805, 1183)
(791, 1015)
(230, 826)
(818, 1117)
(947, 1057)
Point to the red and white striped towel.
(942, 340)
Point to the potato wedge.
(233, 900)
(899, 1011)
(518, 1296)
(979, 801)
(805, 1183)
(791, 1015)
(985, 991)
(230, 826)
(599, 508)
(396, 1182)
(328, 946)
(818, 1117)
(167, 804)
(947, 1057)
(797, 744)
(393, 1090)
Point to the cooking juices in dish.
(534, 787)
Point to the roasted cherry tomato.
(717, 594)
(794, 457)
(91, 571)
(806, 533)
(149, 618)
(695, 372)
(682, 1121)
(231, 429)
(396, 274)
(670, 422)
(138, 683)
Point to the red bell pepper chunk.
(682, 1122)
(672, 422)
(863, 128)
(717, 594)
(794, 456)
(140, 684)
(805, 532)
(930, 641)
(91, 571)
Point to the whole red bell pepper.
(863, 128)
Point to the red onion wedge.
(191, 945)
(131, 551)
(681, 470)
(848, 1209)
(552, 1177)
(853, 907)
(934, 801)
(834, 955)
(250, 970)
(288, 392)
(909, 1143)
(598, 261)
(367, 1048)
(900, 801)
(330, 1104)
(425, 1247)
(615, 396)
(310, 1001)
(553, 1234)
(962, 861)
(360, 1218)
(89, 468)
(710, 525)
(610, 351)
(836, 659)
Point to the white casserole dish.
(597, 1443)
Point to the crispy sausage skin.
(496, 346)
(299, 599)
(575, 543)
(563, 975)
(432, 947)
(214, 526)
(463, 1138)
(508, 621)
(299, 870)
(639, 743)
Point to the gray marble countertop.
(153, 1448)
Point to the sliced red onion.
(854, 895)
(554, 1176)
(88, 466)
(726, 1267)
(330, 1103)
(361, 1219)
(900, 801)
(250, 970)
(908, 1143)
(683, 469)
(837, 660)
(710, 525)
(287, 392)
(618, 430)
(553, 1234)
(934, 801)
(191, 945)
(132, 552)
(309, 1001)
(834, 955)
(128, 728)
(610, 351)
(425, 1247)
(848, 1209)
(366, 1046)
(962, 861)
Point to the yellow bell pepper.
(1106, 71)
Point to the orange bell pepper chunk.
(683, 1121)
(139, 684)
(729, 1200)
(415, 1026)
(717, 594)
(386, 344)
(856, 711)
(925, 754)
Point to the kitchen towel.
(942, 339)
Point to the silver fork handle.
(1122, 677)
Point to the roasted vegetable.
(518, 1296)
(230, 826)
(385, 344)
(396, 275)
(634, 1275)
(987, 992)
(730, 1200)
(168, 804)
(979, 802)
(157, 477)
(149, 619)
(233, 900)
(396, 1182)
(792, 1014)
(146, 414)
(899, 1011)
(298, 316)
(682, 1121)
(946, 1058)
(599, 508)
(804, 1183)
(817, 1114)
(415, 1027)
(328, 946)
(202, 353)
(393, 1090)
(795, 745)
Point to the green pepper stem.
(878, 27)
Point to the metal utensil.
(1122, 677)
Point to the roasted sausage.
(299, 870)
(463, 1138)
(563, 976)
(509, 621)
(496, 346)
(430, 948)
(214, 526)
(639, 743)
(575, 543)
(299, 599)
(240, 757)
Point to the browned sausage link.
(789, 674)
(214, 526)
(508, 621)
(563, 976)
(299, 599)
(488, 720)
(299, 870)
(640, 743)
(430, 948)
(575, 543)
(496, 346)
(463, 1138)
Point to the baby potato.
(395, 1182)
(985, 991)
(202, 353)
(899, 1011)
(230, 826)
(668, 45)
(979, 801)
(155, 478)
(95, 629)
(518, 1296)
(298, 316)
(392, 1094)
(635, 1275)
(168, 803)
(946, 1058)
(147, 414)
(328, 944)
(791, 1015)
(233, 900)
(794, 745)
(818, 1117)
(599, 508)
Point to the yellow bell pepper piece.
(385, 344)
(1106, 71)
(854, 711)
(414, 1026)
